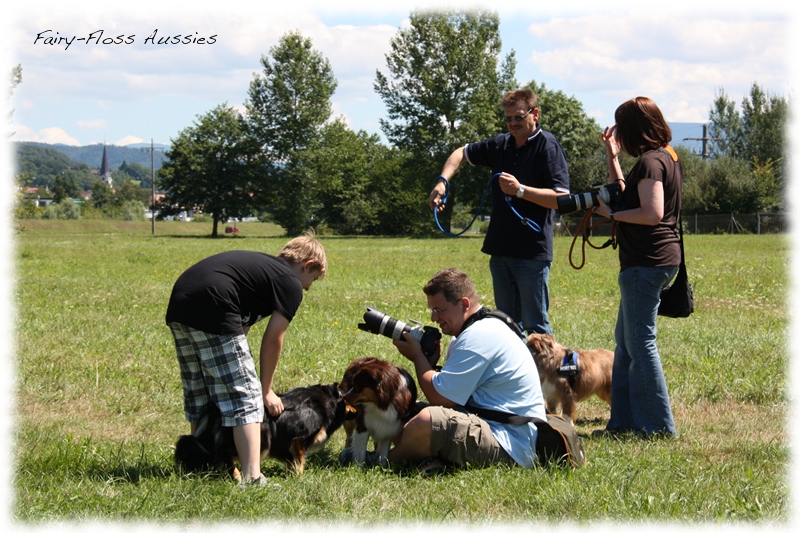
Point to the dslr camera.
(380, 323)
(611, 193)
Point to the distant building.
(105, 170)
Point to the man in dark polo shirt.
(533, 171)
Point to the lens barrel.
(380, 323)
(569, 203)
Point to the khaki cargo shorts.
(464, 438)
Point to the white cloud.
(129, 139)
(679, 61)
(47, 135)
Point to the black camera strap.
(485, 312)
(501, 416)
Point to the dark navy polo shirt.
(539, 163)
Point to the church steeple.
(105, 171)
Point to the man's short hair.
(525, 94)
(453, 284)
(306, 248)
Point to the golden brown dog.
(593, 374)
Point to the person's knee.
(413, 443)
(420, 424)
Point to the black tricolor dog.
(310, 416)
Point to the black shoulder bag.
(677, 299)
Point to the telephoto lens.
(380, 323)
(611, 194)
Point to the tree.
(352, 175)
(288, 103)
(128, 190)
(15, 78)
(213, 166)
(757, 134)
(102, 195)
(64, 189)
(443, 89)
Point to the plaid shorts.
(218, 368)
(464, 438)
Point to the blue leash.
(525, 221)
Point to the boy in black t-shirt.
(212, 307)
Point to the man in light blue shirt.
(488, 367)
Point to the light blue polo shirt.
(488, 366)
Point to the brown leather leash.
(585, 229)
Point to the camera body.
(380, 323)
(611, 193)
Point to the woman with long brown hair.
(649, 255)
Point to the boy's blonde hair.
(306, 248)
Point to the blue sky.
(601, 53)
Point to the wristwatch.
(611, 216)
(520, 191)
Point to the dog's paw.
(375, 459)
(346, 457)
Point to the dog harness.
(569, 367)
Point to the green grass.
(98, 398)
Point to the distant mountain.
(684, 133)
(92, 155)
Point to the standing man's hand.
(436, 199)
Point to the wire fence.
(754, 223)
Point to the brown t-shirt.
(652, 246)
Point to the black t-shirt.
(229, 290)
(652, 246)
(540, 163)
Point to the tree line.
(286, 159)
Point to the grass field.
(98, 398)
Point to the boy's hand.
(273, 403)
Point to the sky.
(130, 90)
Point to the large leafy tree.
(213, 166)
(443, 89)
(756, 134)
(288, 103)
(358, 186)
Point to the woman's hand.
(602, 208)
(610, 141)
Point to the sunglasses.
(518, 118)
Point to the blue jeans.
(639, 397)
(521, 292)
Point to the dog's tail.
(191, 455)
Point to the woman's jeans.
(521, 292)
(639, 397)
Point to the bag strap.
(680, 232)
(501, 416)
(554, 444)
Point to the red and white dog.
(384, 396)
